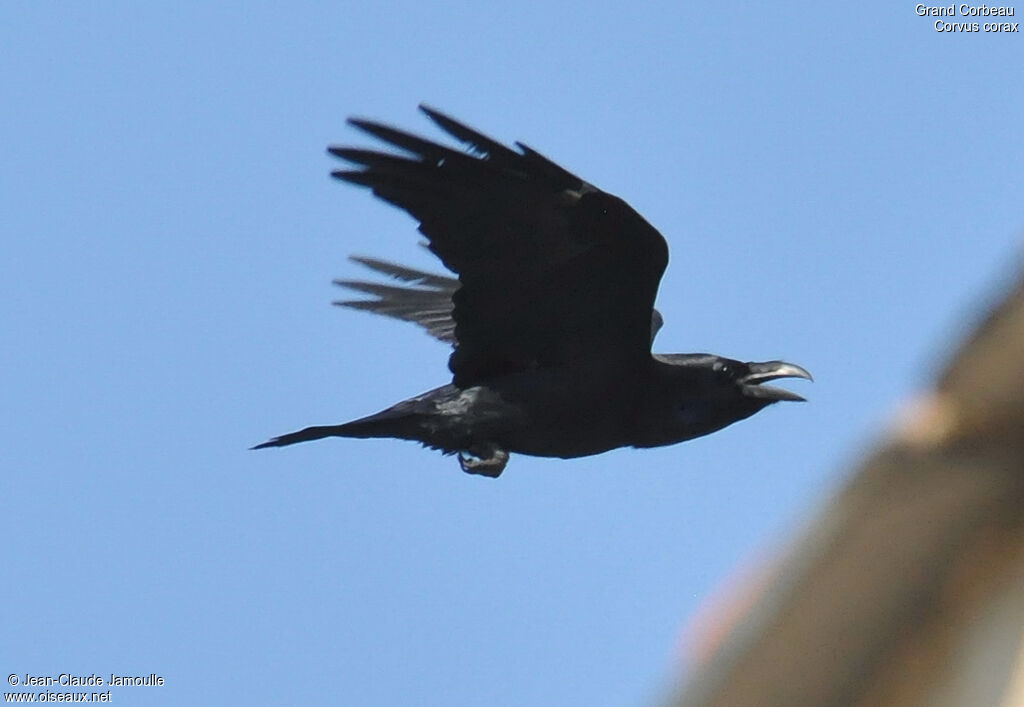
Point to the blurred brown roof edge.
(908, 588)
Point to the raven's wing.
(552, 269)
(426, 299)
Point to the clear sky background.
(840, 187)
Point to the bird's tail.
(388, 423)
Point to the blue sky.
(839, 187)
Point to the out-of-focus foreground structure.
(908, 588)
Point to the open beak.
(769, 371)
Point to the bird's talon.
(484, 461)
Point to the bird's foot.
(483, 459)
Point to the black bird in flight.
(552, 316)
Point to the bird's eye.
(723, 369)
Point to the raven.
(552, 316)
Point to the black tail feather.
(393, 422)
(306, 435)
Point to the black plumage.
(552, 316)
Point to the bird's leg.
(485, 459)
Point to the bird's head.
(702, 393)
